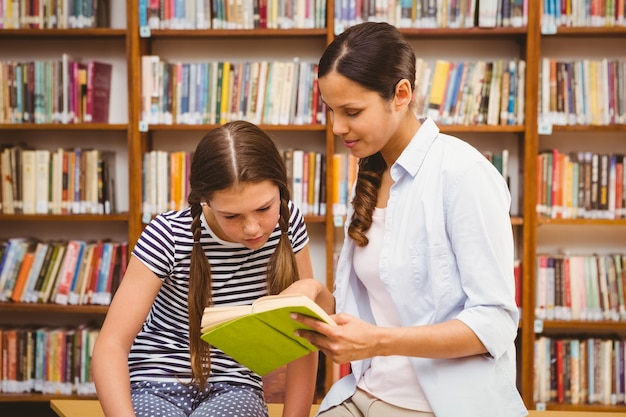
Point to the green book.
(261, 336)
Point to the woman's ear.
(404, 93)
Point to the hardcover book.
(98, 96)
(261, 336)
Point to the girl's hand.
(315, 290)
(307, 286)
(352, 338)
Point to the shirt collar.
(413, 156)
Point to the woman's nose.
(340, 127)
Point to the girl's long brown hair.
(235, 153)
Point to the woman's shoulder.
(460, 154)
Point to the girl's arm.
(127, 313)
(308, 286)
(302, 373)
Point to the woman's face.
(360, 117)
(247, 213)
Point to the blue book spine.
(143, 13)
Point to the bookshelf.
(582, 235)
(105, 44)
(124, 43)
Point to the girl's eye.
(264, 208)
(353, 113)
(230, 217)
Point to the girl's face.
(360, 117)
(245, 214)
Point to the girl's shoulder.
(173, 221)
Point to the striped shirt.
(160, 351)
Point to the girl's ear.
(404, 93)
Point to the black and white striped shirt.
(160, 351)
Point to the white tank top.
(389, 378)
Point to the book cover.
(15, 293)
(69, 268)
(261, 336)
(39, 255)
(50, 275)
(33, 296)
(438, 89)
(98, 92)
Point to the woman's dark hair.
(236, 153)
(376, 56)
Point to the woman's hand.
(351, 339)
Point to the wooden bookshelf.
(538, 228)
(526, 43)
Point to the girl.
(239, 239)
(424, 284)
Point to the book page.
(216, 315)
(273, 302)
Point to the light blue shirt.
(447, 253)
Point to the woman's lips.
(350, 143)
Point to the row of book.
(501, 161)
(232, 14)
(263, 92)
(165, 181)
(581, 287)
(306, 176)
(345, 169)
(48, 14)
(579, 185)
(471, 93)
(583, 92)
(581, 13)
(433, 14)
(59, 91)
(580, 370)
(166, 186)
(73, 272)
(62, 181)
(47, 360)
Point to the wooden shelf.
(6, 398)
(621, 409)
(63, 126)
(238, 33)
(589, 128)
(481, 129)
(475, 32)
(581, 222)
(63, 33)
(595, 31)
(52, 308)
(122, 217)
(205, 127)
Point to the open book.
(261, 336)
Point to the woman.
(424, 284)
